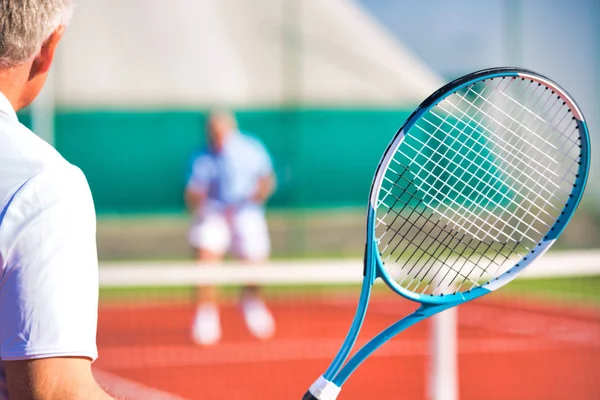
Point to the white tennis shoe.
(206, 330)
(258, 318)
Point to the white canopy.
(249, 53)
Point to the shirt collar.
(228, 143)
(7, 108)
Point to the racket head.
(448, 213)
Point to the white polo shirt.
(48, 258)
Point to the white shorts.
(245, 234)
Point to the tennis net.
(540, 334)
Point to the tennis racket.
(476, 185)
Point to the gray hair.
(223, 115)
(26, 24)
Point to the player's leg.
(258, 318)
(252, 245)
(210, 237)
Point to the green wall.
(136, 162)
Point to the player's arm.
(49, 303)
(194, 197)
(59, 378)
(267, 181)
(264, 188)
(196, 189)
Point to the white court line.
(132, 390)
(129, 357)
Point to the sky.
(557, 38)
(455, 36)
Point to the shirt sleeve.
(49, 287)
(200, 175)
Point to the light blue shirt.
(230, 177)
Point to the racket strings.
(418, 253)
(435, 257)
(463, 172)
(499, 261)
(555, 125)
(412, 241)
(397, 198)
(465, 169)
(468, 249)
(483, 175)
(432, 190)
(398, 213)
(513, 120)
(558, 130)
(513, 151)
(492, 152)
(412, 196)
(415, 210)
(476, 264)
(536, 180)
(508, 172)
(539, 147)
(542, 152)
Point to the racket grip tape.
(308, 396)
(322, 389)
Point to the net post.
(443, 378)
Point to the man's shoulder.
(26, 160)
(60, 176)
(56, 193)
(202, 156)
(40, 188)
(250, 141)
(24, 149)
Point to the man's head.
(29, 33)
(221, 125)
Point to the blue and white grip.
(322, 389)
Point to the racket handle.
(309, 396)
(324, 389)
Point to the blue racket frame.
(338, 372)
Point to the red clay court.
(507, 350)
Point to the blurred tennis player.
(48, 261)
(227, 188)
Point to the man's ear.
(43, 61)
